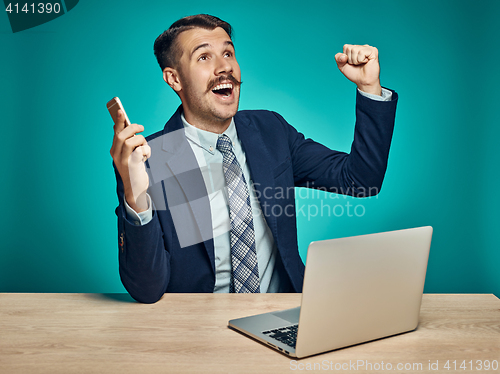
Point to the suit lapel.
(191, 199)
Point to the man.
(180, 229)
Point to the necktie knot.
(224, 143)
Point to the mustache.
(229, 77)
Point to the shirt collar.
(231, 131)
(206, 139)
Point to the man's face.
(209, 77)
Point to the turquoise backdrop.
(58, 227)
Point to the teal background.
(58, 228)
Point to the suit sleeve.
(144, 263)
(359, 173)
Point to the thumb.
(341, 59)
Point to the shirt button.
(211, 149)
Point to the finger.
(357, 55)
(137, 156)
(146, 151)
(347, 49)
(126, 133)
(341, 60)
(120, 138)
(361, 57)
(124, 149)
(120, 121)
(131, 144)
(373, 52)
(118, 126)
(129, 131)
(364, 54)
(349, 55)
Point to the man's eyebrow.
(204, 45)
(198, 47)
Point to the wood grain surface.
(188, 333)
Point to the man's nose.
(223, 66)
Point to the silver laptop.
(355, 290)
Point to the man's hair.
(166, 47)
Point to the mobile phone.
(113, 106)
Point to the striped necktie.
(243, 253)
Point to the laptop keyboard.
(286, 335)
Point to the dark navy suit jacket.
(152, 260)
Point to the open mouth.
(223, 90)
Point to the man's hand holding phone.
(129, 151)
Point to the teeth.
(222, 86)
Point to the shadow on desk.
(119, 297)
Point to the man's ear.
(171, 77)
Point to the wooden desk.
(109, 333)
